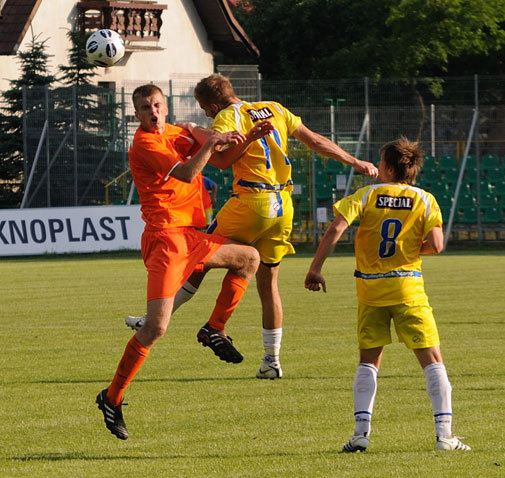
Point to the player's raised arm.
(324, 146)
(314, 280)
(225, 158)
(190, 169)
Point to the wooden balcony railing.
(134, 21)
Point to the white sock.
(186, 292)
(439, 389)
(364, 388)
(272, 343)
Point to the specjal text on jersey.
(393, 202)
(258, 115)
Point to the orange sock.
(133, 357)
(232, 290)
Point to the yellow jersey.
(394, 220)
(264, 167)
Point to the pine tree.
(33, 66)
(96, 123)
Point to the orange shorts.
(171, 255)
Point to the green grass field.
(191, 415)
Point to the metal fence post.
(74, 131)
(125, 131)
(48, 164)
(367, 115)
(477, 157)
(313, 197)
(25, 139)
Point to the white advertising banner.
(69, 229)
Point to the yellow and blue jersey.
(264, 167)
(394, 220)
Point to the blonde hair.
(215, 89)
(404, 157)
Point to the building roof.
(222, 28)
(15, 19)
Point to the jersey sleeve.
(225, 121)
(433, 216)
(351, 207)
(292, 121)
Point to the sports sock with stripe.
(232, 290)
(185, 293)
(133, 357)
(272, 343)
(364, 388)
(439, 389)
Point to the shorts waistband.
(387, 275)
(265, 186)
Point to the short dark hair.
(145, 91)
(404, 157)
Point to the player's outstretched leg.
(185, 293)
(219, 343)
(112, 416)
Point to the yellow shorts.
(414, 324)
(262, 220)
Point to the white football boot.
(356, 443)
(449, 444)
(268, 369)
(135, 323)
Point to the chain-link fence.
(75, 141)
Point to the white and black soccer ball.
(104, 48)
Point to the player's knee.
(251, 261)
(155, 331)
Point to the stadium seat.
(486, 188)
(447, 161)
(467, 215)
(489, 162)
(488, 200)
(322, 177)
(439, 188)
(466, 200)
(429, 161)
(444, 201)
(336, 167)
(491, 215)
(451, 176)
(499, 188)
(430, 176)
(493, 174)
(471, 162)
(323, 191)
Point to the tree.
(96, 127)
(374, 38)
(34, 62)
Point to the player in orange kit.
(170, 192)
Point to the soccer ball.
(104, 48)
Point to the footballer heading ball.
(104, 48)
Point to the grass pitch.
(191, 415)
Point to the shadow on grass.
(77, 455)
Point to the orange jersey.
(165, 201)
